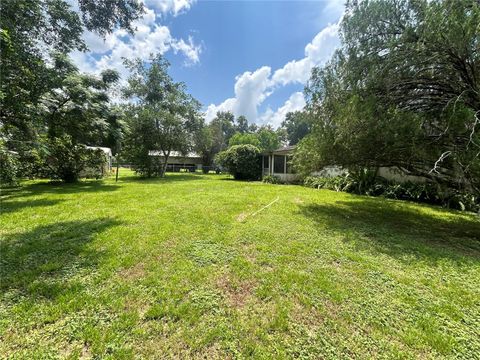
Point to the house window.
(279, 164)
(266, 162)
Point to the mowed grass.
(185, 267)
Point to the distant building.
(177, 161)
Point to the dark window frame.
(267, 165)
(276, 163)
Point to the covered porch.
(278, 163)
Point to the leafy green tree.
(297, 126)
(242, 161)
(268, 139)
(244, 139)
(66, 160)
(401, 92)
(166, 118)
(242, 124)
(223, 128)
(32, 30)
(79, 105)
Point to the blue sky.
(249, 57)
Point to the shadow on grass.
(401, 229)
(12, 206)
(39, 262)
(57, 188)
(169, 178)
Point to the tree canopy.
(164, 118)
(402, 91)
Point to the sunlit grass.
(179, 267)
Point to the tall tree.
(244, 139)
(32, 30)
(165, 118)
(268, 139)
(224, 124)
(297, 126)
(402, 91)
(242, 124)
(79, 104)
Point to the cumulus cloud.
(294, 103)
(149, 37)
(252, 88)
(174, 7)
(317, 53)
(250, 92)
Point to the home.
(177, 161)
(278, 163)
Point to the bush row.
(427, 192)
(58, 159)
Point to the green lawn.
(180, 268)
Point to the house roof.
(282, 150)
(174, 153)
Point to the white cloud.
(294, 103)
(317, 53)
(149, 37)
(212, 109)
(252, 88)
(174, 7)
(250, 92)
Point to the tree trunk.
(166, 155)
(116, 173)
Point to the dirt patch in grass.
(236, 292)
(242, 216)
(297, 200)
(133, 273)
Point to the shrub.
(272, 179)
(242, 161)
(66, 160)
(32, 164)
(427, 192)
(8, 168)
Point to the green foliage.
(244, 139)
(297, 126)
(79, 105)
(242, 124)
(33, 30)
(32, 163)
(223, 128)
(364, 183)
(266, 139)
(8, 167)
(271, 179)
(67, 161)
(269, 139)
(400, 93)
(242, 161)
(164, 119)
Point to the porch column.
(271, 162)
